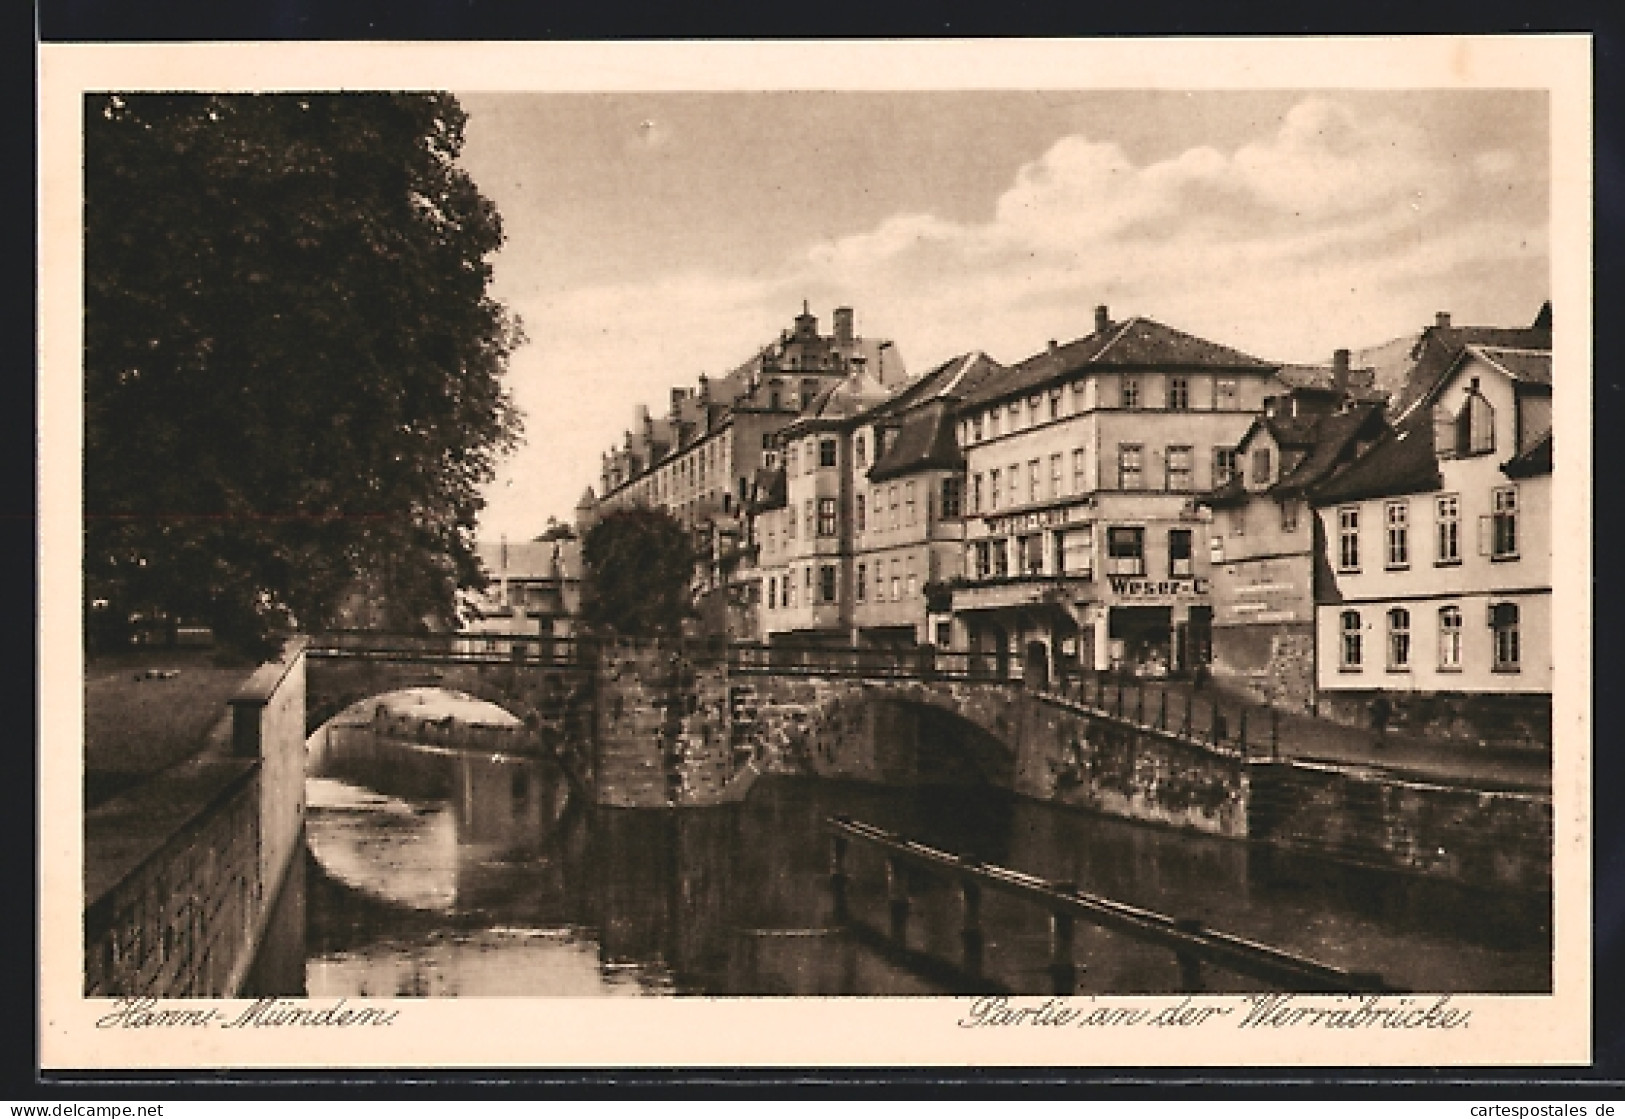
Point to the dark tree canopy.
(637, 563)
(292, 365)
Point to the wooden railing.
(1194, 947)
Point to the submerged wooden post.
(837, 875)
(1190, 964)
(970, 928)
(897, 892)
(1061, 929)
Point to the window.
(976, 427)
(1349, 648)
(1448, 514)
(1289, 515)
(1015, 484)
(1224, 393)
(1261, 467)
(860, 451)
(809, 389)
(976, 494)
(910, 584)
(945, 631)
(790, 523)
(891, 501)
(1504, 537)
(1179, 393)
(1450, 639)
(993, 489)
(791, 460)
(860, 513)
(1398, 515)
(826, 582)
(1055, 475)
(1474, 425)
(826, 452)
(1079, 471)
(1179, 469)
(1075, 552)
(789, 591)
(1399, 639)
(1034, 404)
(1348, 539)
(1504, 624)
(862, 589)
(772, 593)
(1125, 551)
(953, 491)
(807, 572)
(1179, 553)
(993, 422)
(1030, 554)
(1131, 392)
(1055, 404)
(896, 582)
(981, 560)
(908, 502)
(1128, 466)
(1033, 492)
(826, 516)
(811, 515)
(1224, 465)
(1001, 558)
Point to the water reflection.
(438, 872)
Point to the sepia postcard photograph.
(953, 553)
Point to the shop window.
(953, 497)
(1125, 551)
(1129, 475)
(1348, 539)
(1450, 639)
(826, 516)
(826, 582)
(1179, 470)
(1224, 465)
(1399, 639)
(1398, 515)
(1075, 552)
(1179, 394)
(1179, 553)
(1448, 522)
(1349, 647)
(1504, 624)
(1131, 392)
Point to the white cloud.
(1335, 230)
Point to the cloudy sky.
(655, 236)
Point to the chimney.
(1053, 345)
(1441, 319)
(705, 389)
(676, 402)
(1340, 372)
(1103, 319)
(843, 326)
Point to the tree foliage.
(638, 563)
(292, 364)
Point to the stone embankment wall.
(183, 871)
(1494, 722)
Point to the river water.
(435, 872)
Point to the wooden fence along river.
(1193, 946)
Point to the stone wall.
(1274, 664)
(183, 871)
(1480, 838)
(1497, 722)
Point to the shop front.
(1157, 627)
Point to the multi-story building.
(1262, 542)
(1439, 542)
(1083, 464)
(533, 589)
(908, 525)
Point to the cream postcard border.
(1504, 1030)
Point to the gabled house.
(1438, 588)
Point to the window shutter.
(1486, 529)
(1444, 432)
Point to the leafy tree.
(637, 565)
(292, 365)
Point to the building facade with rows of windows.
(1438, 543)
(1083, 465)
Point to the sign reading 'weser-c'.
(1125, 587)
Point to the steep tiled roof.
(1526, 366)
(1333, 437)
(1439, 346)
(844, 400)
(1401, 462)
(1136, 343)
(1361, 383)
(924, 441)
(1536, 460)
(956, 377)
